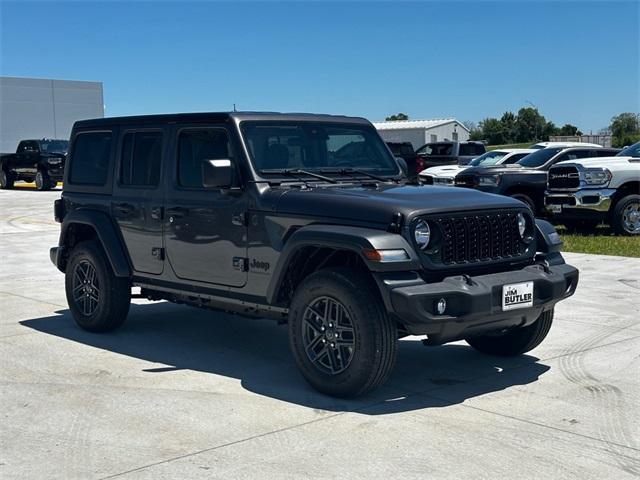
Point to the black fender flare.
(107, 236)
(339, 237)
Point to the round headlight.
(422, 234)
(522, 225)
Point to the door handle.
(124, 208)
(177, 212)
(156, 213)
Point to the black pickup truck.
(39, 161)
(526, 180)
(306, 219)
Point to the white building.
(44, 108)
(419, 132)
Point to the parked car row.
(40, 161)
(525, 180)
(585, 192)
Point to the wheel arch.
(85, 224)
(628, 188)
(315, 247)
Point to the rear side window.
(471, 149)
(141, 158)
(195, 146)
(90, 158)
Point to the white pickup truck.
(583, 193)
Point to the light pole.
(535, 125)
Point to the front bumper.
(474, 304)
(594, 200)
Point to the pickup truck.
(449, 153)
(404, 150)
(526, 180)
(582, 194)
(445, 174)
(39, 161)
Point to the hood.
(443, 171)
(602, 162)
(512, 168)
(379, 204)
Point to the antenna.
(234, 108)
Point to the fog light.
(441, 306)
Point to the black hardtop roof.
(218, 117)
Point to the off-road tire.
(114, 295)
(517, 341)
(42, 180)
(617, 220)
(375, 345)
(525, 199)
(6, 180)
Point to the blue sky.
(577, 61)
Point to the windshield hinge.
(396, 223)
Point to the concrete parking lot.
(184, 393)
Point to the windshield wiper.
(298, 171)
(360, 172)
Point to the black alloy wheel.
(86, 288)
(328, 335)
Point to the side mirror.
(217, 173)
(403, 165)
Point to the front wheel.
(526, 199)
(514, 342)
(43, 182)
(626, 216)
(340, 335)
(99, 301)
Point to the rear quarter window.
(90, 158)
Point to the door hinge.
(157, 253)
(241, 263)
(240, 219)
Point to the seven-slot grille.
(564, 177)
(468, 181)
(479, 238)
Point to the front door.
(205, 229)
(137, 197)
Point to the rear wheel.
(340, 335)
(43, 182)
(99, 301)
(626, 216)
(514, 342)
(6, 180)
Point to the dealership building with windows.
(420, 132)
(33, 108)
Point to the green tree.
(492, 131)
(530, 125)
(397, 116)
(508, 121)
(569, 130)
(625, 129)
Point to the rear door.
(137, 196)
(205, 230)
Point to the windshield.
(489, 158)
(436, 149)
(539, 158)
(54, 146)
(631, 151)
(317, 147)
